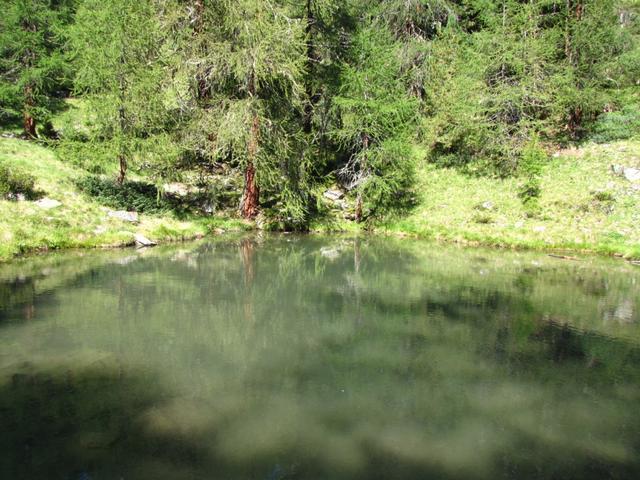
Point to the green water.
(318, 358)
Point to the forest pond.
(309, 357)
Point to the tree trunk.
(251, 195)
(122, 161)
(29, 123)
(363, 167)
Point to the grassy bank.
(583, 206)
(79, 221)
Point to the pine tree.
(33, 68)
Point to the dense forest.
(264, 104)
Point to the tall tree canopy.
(33, 67)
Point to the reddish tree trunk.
(122, 161)
(575, 120)
(251, 193)
(251, 197)
(29, 123)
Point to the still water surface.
(318, 358)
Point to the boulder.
(333, 194)
(143, 241)
(48, 203)
(632, 174)
(131, 217)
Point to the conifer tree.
(33, 68)
(118, 52)
(375, 120)
(253, 69)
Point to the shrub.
(134, 196)
(144, 197)
(532, 161)
(14, 181)
(619, 125)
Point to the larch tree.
(33, 67)
(375, 121)
(254, 64)
(118, 52)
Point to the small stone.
(16, 197)
(48, 203)
(617, 170)
(219, 231)
(333, 194)
(539, 228)
(519, 224)
(143, 241)
(488, 205)
(131, 217)
(100, 229)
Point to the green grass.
(80, 222)
(582, 207)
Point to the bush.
(620, 125)
(14, 181)
(532, 161)
(133, 196)
(144, 197)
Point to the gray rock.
(143, 241)
(16, 197)
(333, 194)
(176, 189)
(48, 203)
(488, 205)
(632, 174)
(617, 170)
(131, 217)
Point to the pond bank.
(584, 207)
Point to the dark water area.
(285, 357)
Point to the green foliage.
(15, 181)
(33, 66)
(375, 115)
(120, 59)
(135, 196)
(619, 125)
(531, 166)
